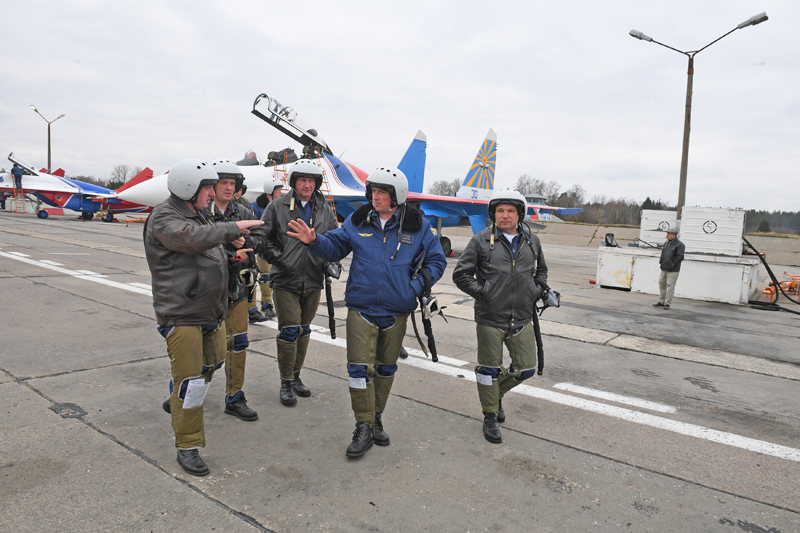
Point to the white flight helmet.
(508, 196)
(392, 180)
(188, 176)
(225, 168)
(271, 184)
(305, 168)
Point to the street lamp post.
(752, 21)
(49, 167)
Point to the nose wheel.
(87, 216)
(447, 246)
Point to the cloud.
(571, 96)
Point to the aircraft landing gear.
(108, 217)
(447, 246)
(42, 214)
(87, 216)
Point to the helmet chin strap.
(399, 232)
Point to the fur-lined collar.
(412, 222)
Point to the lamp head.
(639, 35)
(34, 108)
(755, 19)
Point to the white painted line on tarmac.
(683, 428)
(621, 413)
(318, 333)
(77, 274)
(90, 273)
(628, 415)
(19, 254)
(53, 263)
(618, 398)
(442, 358)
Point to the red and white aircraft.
(58, 191)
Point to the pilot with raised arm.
(503, 268)
(189, 269)
(392, 244)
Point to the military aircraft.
(345, 182)
(347, 186)
(58, 191)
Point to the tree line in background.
(772, 222)
(119, 176)
(601, 209)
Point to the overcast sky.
(573, 98)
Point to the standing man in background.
(239, 196)
(671, 258)
(273, 189)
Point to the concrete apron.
(288, 472)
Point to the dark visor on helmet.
(226, 175)
(306, 175)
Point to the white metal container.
(654, 226)
(712, 278)
(710, 230)
(614, 269)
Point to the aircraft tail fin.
(479, 183)
(144, 175)
(61, 173)
(413, 162)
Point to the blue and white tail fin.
(413, 163)
(479, 183)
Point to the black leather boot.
(254, 316)
(239, 409)
(191, 461)
(501, 415)
(269, 311)
(299, 388)
(362, 440)
(403, 353)
(490, 428)
(167, 406)
(287, 392)
(380, 437)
